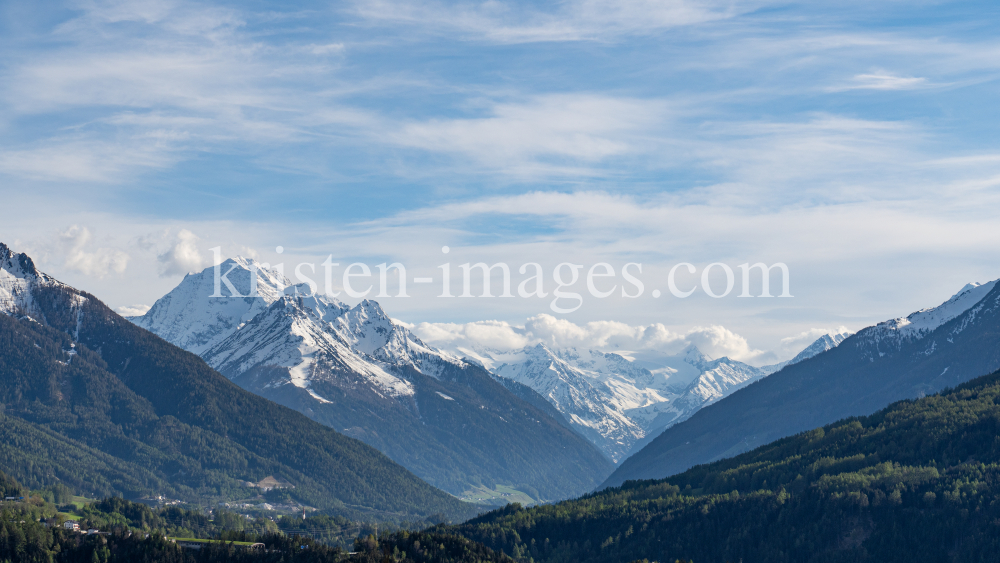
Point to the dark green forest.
(31, 531)
(917, 481)
(122, 412)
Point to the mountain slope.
(917, 481)
(354, 369)
(621, 401)
(898, 359)
(76, 371)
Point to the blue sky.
(855, 142)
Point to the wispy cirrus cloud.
(157, 83)
(560, 130)
(80, 158)
(881, 80)
(149, 84)
(513, 22)
(651, 131)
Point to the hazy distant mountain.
(354, 369)
(901, 358)
(90, 400)
(621, 400)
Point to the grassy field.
(199, 540)
(79, 503)
(499, 496)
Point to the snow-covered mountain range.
(617, 400)
(620, 400)
(286, 326)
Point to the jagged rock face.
(371, 333)
(17, 276)
(292, 334)
(243, 324)
(587, 401)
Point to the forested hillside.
(92, 400)
(917, 481)
(31, 531)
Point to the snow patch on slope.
(927, 320)
(292, 335)
(889, 336)
(18, 277)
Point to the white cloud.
(133, 310)
(86, 160)
(882, 81)
(505, 22)
(578, 137)
(183, 257)
(193, 79)
(181, 77)
(90, 261)
(715, 341)
(558, 129)
(327, 49)
(489, 334)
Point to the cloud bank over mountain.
(714, 341)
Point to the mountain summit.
(18, 276)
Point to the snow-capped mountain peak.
(926, 320)
(327, 309)
(240, 315)
(18, 265)
(369, 331)
(17, 276)
(291, 334)
(889, 336)
(207, 306)
(692, 355)
(366, 327)
(613, 399)
(822, 344)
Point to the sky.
(854, 142)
